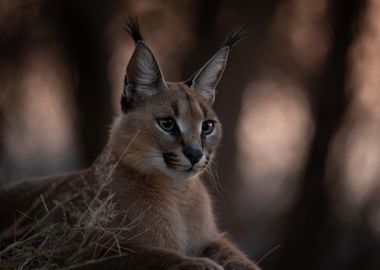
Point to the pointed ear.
(207, 78)
(143, 77)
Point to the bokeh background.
(299, 166)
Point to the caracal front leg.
(228, 255)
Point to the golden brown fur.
(151, 179)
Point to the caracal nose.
(194, 155)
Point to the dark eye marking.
(174, 106)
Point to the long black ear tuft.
(133, 28)
(240, 33)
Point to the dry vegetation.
(81, 235)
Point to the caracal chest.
(179, 219)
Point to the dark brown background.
(299, 164)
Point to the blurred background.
(299, 166)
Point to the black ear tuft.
(133, 28)
(240, 33)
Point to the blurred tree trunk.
(309, 230)
(82, 25)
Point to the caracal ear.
(207, 78)
(143, 77)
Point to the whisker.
(214, 178)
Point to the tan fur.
(176, 226)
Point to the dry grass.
(83, 233)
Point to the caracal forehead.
(184, 101)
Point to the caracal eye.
(167, 124)
(207, 127)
